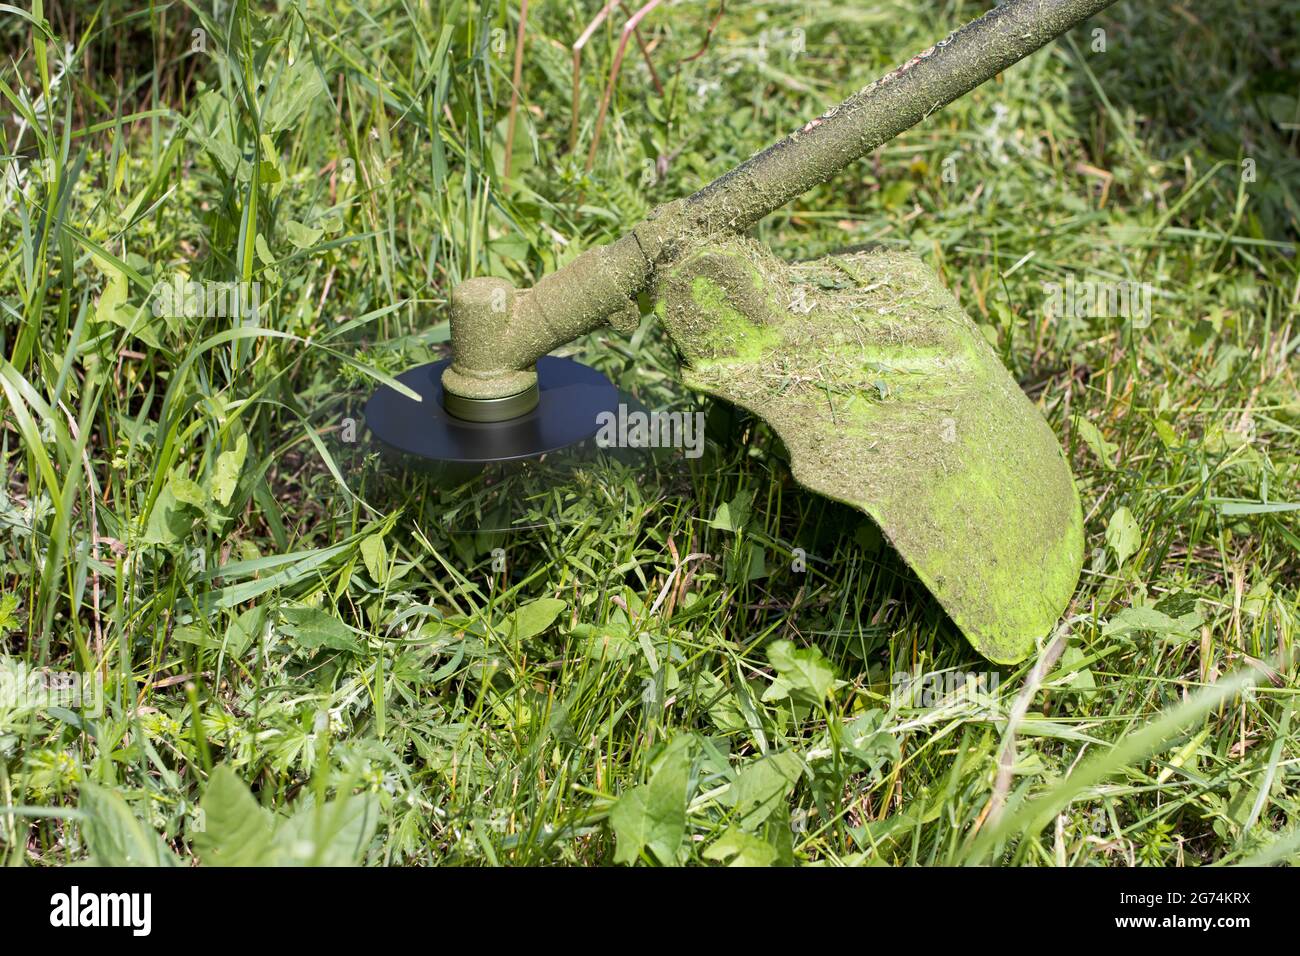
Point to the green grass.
(647, 678)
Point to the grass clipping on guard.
(889, 399)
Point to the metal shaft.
(495, 349)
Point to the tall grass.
(579, 660)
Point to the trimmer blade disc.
(570, 398)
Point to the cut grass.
(184, 512)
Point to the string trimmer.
(884, 392)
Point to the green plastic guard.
(889, 399)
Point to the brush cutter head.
(884, 392)
(570, 398)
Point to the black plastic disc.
(570, 397)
